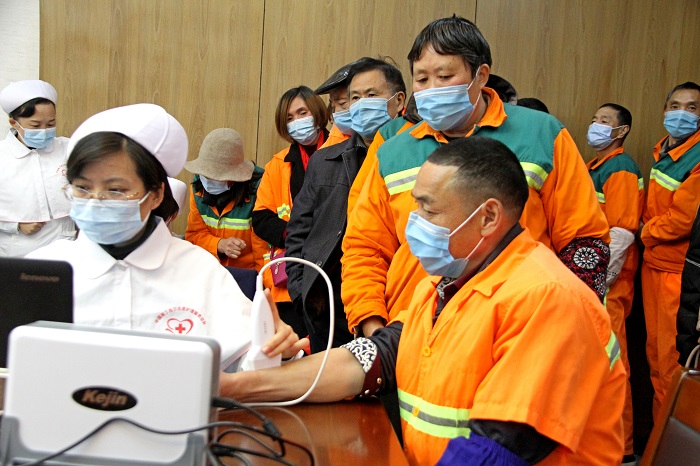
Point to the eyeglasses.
(73, 192)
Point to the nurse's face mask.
(107, 217)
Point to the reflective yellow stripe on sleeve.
(536, 175)
(664, 180)
(284, 210)
(613, 350)
(432, 419)
(401, 181)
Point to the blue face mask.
(680, 123)
(303, 130)
(213, 187)
(369, 114)
(431, 245)
(38, 138)
(343, 121)
(599, 136)
(108, 222)
(446, 108)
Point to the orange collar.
(595, 163)
(677, 152)
(494, 116)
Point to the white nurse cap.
(180, 190)
(19, 92)
(149, 125)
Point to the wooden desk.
(345, 433)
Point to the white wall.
(19, 53)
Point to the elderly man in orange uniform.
(672, 202)
(504, 356)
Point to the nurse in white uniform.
(33, 209)
(129, 272)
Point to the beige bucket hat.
(221, 157)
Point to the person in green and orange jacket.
(301, 118)
(673, 197)
(450, 64)
(620, 188)
(221, 205)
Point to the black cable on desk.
(214, 448)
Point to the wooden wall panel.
(215, 63)
(578, 54)
(198, 59)
(305, 41)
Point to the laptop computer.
(32, 290)
(68, 379)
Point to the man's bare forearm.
(342, 377)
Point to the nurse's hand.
(285, 341)
(30, 228)
(231, 247)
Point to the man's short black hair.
(690, 85)
(392, 74)
(486, 168)
(453, 36)
(533, 103)
(624, 117)
(503, 88)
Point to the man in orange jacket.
(672, 202)
(450, 64)
(620, 189)
(504, 357)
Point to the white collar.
(95, 261)
(19, 150)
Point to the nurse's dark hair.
(453, 36)
(28, 108)
(313, 102)
(486, 169)
(93, 147)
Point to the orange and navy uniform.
(207, 225)
(672, 202)
(379, 271)
(530, 322)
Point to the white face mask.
(303, 130)
(213, 187)
(106, 221)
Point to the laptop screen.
(32, 290)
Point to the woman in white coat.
(33, 209)
(129, 272)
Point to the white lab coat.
(165, 285)
(31, 183)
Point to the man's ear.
(622, 131)
(482, 75)
(494, 216)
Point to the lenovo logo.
(104, 398)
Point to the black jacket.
(687, 318)
(319, 217)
